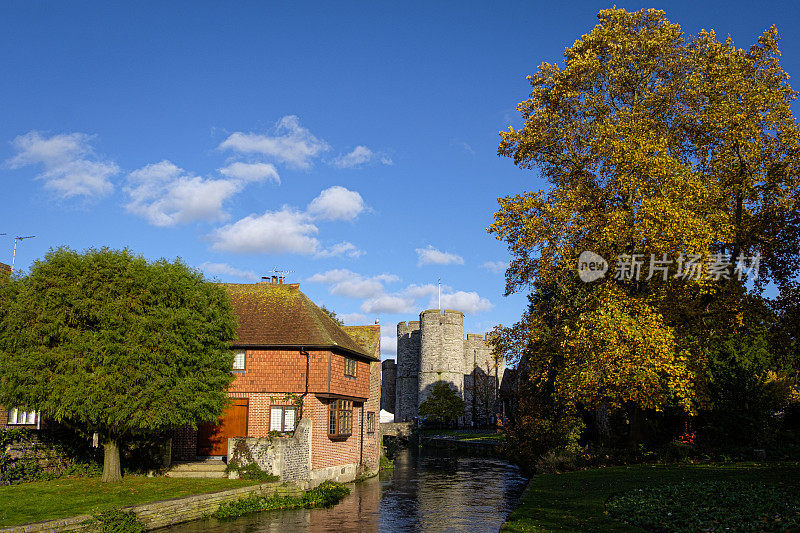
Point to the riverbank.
(62, 498)
(428, 490)
(576, 501)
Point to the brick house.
(293, 362)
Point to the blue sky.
(353, 143)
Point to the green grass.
(471, 436)
(61, 498)
(575, 501)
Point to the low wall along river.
(428, 490)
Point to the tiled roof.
(280, 315)
(367, 336)
(5, 268)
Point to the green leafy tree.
(115, 344)
(332, 314)
(443, 403)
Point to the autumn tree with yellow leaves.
(657, 146)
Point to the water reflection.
(427, 491)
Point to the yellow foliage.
(653, 143)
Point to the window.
(17, 417)
(340, 419)
(282, 418)
(370, 422)
(238, 360)
(349, 367)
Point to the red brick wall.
(270, 374)
(285, 371)
(372, 442)
(324, 451)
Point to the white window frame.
(282, 409)
(27, 418)
(236, 355)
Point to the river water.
(428, 490)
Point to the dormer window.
(238, 360)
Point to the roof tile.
(280, 315)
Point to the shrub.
(58, 452)
(386, 463)
(251, 471)
(550, 443)
(117, 521)
(325, 495)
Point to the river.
(428, 490)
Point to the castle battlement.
(436, 349)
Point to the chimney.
(274, 279)
(280, 280)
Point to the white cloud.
(388, 278)
(343, 248)
(432, 256)
(350, 284)
(421, 291)
(353, 319)
(495, 267)
(336, 203)
(284, 231)
(251, 172)
(388, 303)
(388, 344)
(226, 269)
(466, 302)
(332, 276)
(360, 156)
(69, 165)
(292, 144)
(165, 195)
(358, 288)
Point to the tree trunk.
(635, 426)
(603, 424)
(112, 470)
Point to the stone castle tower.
(435, 349)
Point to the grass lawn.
(474, 436)
(575, 501)
(61, 498)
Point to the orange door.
(212, 439)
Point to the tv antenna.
(278, 275)
(14, 255)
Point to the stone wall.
(287, 457)
(442, 354)
(435, 349)
(407, 382)
(166, 512)
(388, 390)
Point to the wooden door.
(212, 438)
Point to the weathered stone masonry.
(433, 349)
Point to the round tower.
(408, 357)
(442, 350)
